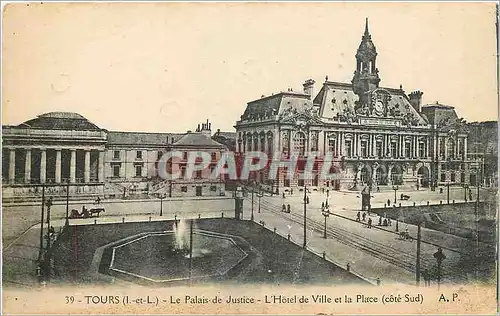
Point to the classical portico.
(54, 148)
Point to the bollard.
(123, 219)
(453, 201)
(385, 205)
(95, 221)
(199, 216)
(324, 255)
(399, 204)
(150, 218)
(275, 230)
(378, 281)
(427, 202)
(413, 203)
(222, 215)
(288, 237)
(175, 218)
(440, 202)
(348, 267)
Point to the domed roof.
(60, 120)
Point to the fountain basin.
(158, 256)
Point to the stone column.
(86, 172)
(427, 147)
(100, 172)
(446, 148)
(12, 165)
(341, 143)
(43, 165)
(72, 166)
(373, 145)
(58, 166)
(27, 166)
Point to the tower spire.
(366, 27)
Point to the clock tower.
(366, 77)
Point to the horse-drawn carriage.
(86, 213)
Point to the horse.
(96, 211)
(74, 214)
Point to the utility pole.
(67, 203)
(40, 253)
(251, 217)
(305, 218)
(191, 250)
(418, 255)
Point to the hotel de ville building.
(378, 135)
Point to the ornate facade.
(377, 135)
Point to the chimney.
(309, 88)
(206, 129)
(416, 100)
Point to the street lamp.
(260, 195)
(162, 197)
(253, 187)
(325, 210)
(395, 188)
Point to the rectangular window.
(443, 177)
(332, 146)
(348, 149)
(407, 149)
(379, 149)
(116, 154)
(198, 174)
(393, 149)
(452, 176)
(364, 148)
(138, 171)
(139, 154)
(116, 171)
(184, 189)
(421, 149)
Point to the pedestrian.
(380, 221)
(322, 205)
(369, 223)
(389, 222)
(358, 217)
(288, 208)
(283, 194)
(283, 209)
(98, 200)
(425, 275)
(388, 202)
(291, 191)
(307, 200)
(378, 189)
(385, 222)
(440, 190)
(418, 186)
(364, 216)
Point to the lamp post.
(395, 188)
(259, 195)
(238, 203)
(40, 252)
(253, 186)
(162, 197)
(305, 217)
(325, 210)
(448, 192)
(439, 255)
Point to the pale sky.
(165, 67)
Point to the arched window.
(299, 143)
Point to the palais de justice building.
(377, 135)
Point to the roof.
(60, 120)
(335, 98)
(141, 138)
(276, 104)
(228, 135)
(439, 113)
(198, 140)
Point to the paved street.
(374, 253)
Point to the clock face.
(379, 107)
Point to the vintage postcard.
(249, 158)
